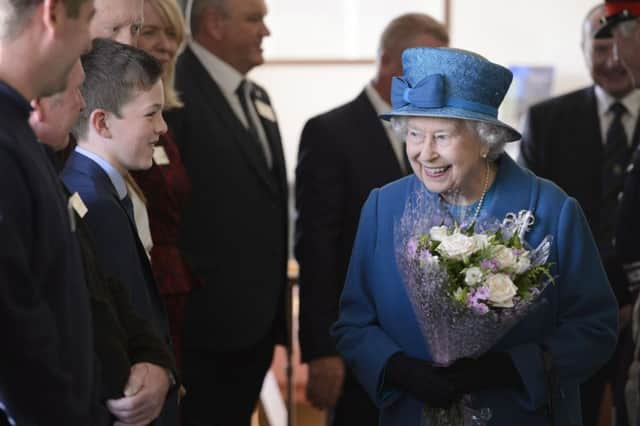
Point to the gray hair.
(198, 7)
(491, 135)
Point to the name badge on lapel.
(265, 110)
(160, 156)
(75, 205)
(75, 201)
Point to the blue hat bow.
(430, 93)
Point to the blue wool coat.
(577, 325)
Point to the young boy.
(116, 132)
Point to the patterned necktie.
(616, 157)
(616, 147)
(242, 96)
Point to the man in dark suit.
(623, 23)
(582, 129)
(123, 341)
(46, 373)
(115, 133)
(234, 228)
(343, 155)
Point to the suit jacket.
(121, 337)
(343, 155)
(47, 370)
(562, 141)
(111, 244)
(117, 245)
(234, 226)
(577, 324)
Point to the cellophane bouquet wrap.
(469, 281)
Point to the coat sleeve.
(362, 342)
(35, 389)
(584, 334)
(320, 202)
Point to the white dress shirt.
(228, 79)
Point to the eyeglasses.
(416, 137)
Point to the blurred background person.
(47, 368)
(595, 129)
(333, 180)
(234, 227)
(623, 24)
(166, 184)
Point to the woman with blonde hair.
(166, 184)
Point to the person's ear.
(52, 14)
(213, 23)
(38, 112)
(99, 121)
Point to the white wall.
(514, 32)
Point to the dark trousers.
(354, 407)
(223, 388)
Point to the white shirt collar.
(116, 178)
(227, 77)
(631, 101)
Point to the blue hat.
(450, 83)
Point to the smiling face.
(134, 133)
(118, 20)
(448, 157)
(158, 37)
(605, 68)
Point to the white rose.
(505, 257)
(523, 264)
(501, 290)
(438, 233)
(482, 240)
(472, 276)
(457, 246)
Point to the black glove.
(494, 369)
(422, 380)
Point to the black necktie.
(616, 157)
(128, 206)
(241, 93)
(615, 151)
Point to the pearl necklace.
(484, 193)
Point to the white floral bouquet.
(468, 283)
(484, 270)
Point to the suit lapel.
(217, 102)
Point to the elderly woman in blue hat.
(445, 107)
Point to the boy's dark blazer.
(117, 245)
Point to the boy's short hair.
(114, 72)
